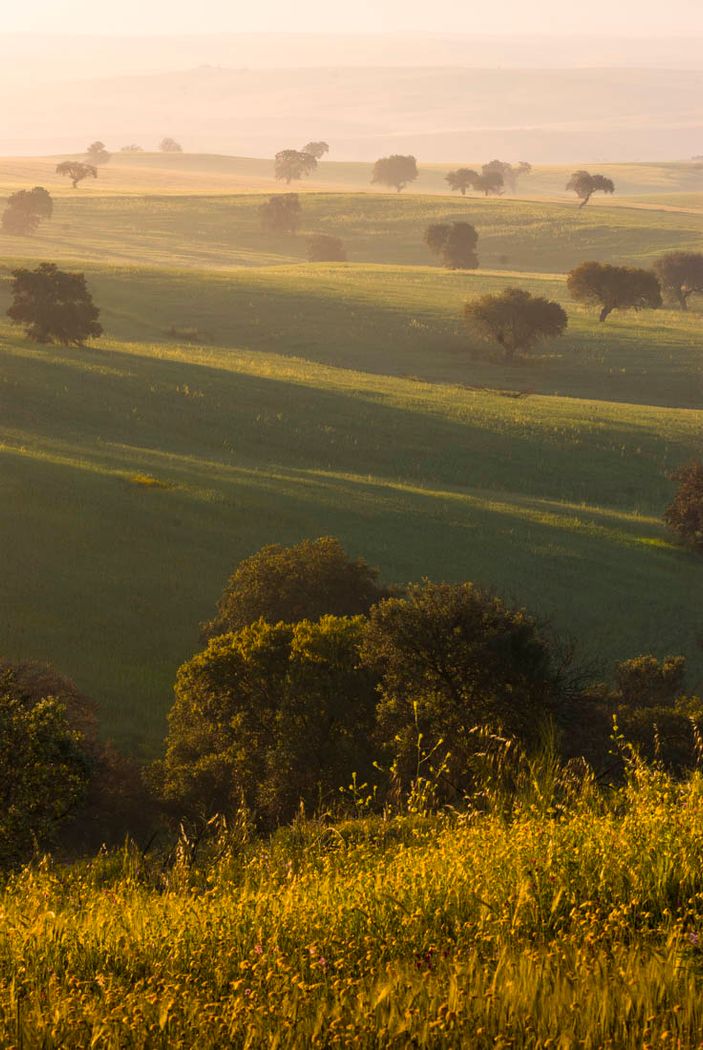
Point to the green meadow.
(243, 396)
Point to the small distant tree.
(516, 320)
(455, 243)
(25, 210)
(76, 171)
(322, 247)
(462, 179)
(293, 164)
(685, 512)
(54, 306)
(584, 185)
(316, 149)
(281, 213)
(97, 153)
(169, 145)
(396, 170)
(681, 275)
(132, 148)
(311, 579)
(490, 183)
(510, 172)
(614, 287)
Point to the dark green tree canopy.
(97, 153)
(281, 213)
(25, 210)
(462, 179)
(681, 275)
(615, 287)
(273, 714)
(170, 145)
(316, 149)
(293, 164)
(76, 171)
(584, 185)
(516, 320)
(684, 515)
(323, 247)
(455, 243)
(451, 657)
(311, 579)
(397, 171)
(54, 306)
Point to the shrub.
(324, 248)
(684, 515)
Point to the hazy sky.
(620, 17)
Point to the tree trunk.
(585, 201)
(605, 312)
(683, 298)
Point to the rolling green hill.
(344, 399)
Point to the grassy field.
(345, 399)
(576, 923)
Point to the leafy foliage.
(323, 247)
(462, 179)
(54, 306)
(170, 145)
(490, 182)
(455, 243)
(584, 185)
(293, 164)
(316, 149)
(615, 287)
(25, 210)
(97, 153)
(681, 275)
(685, 512)
(311, 579)
(397, 171)
(281, 213)
(272, 716)
(76, 171)
(510, 173)
(516, 320)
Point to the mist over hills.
(442, 97)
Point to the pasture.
(303, 399)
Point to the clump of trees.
(455, 243)
(308, 580)
(492, 179)
(316, 149)
(281, 213)
(510, 173)
(170, 145)
(25, 210)
(53, 305)
(76, 171)
(397, 171)
(516, 320)
(584, 185)
(292, 164)
(684, 515)
(614, 287)
(681, 275)
(323, 247)
(131, 148)
(97, 153)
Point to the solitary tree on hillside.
(396, 170)
(97, 153)
(490, 182)
(455, 243)
(281, 213)
(323, 247)
(76, 171)
(169, 145)
(510, 172)
(516, 320)
(293, 164)
(584, 185)
(54, 306)
(25, 210)
(316, 149)
(462, 179)
(685, 513)
(681, 275)
(614, 287)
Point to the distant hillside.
(543, 116)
